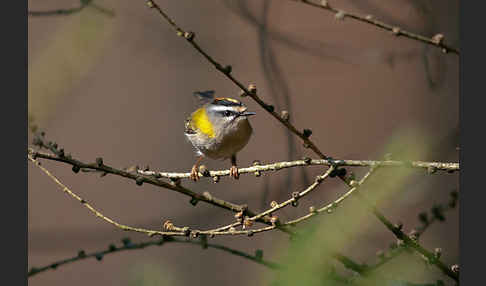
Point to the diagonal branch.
(412, 243)
(139, 179)
(329, 207)
(250, 91)
(95, 211)
(437, 40)
(396, 250)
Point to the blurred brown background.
(120, 88)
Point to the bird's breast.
(231, 141)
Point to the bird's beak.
(247, 113)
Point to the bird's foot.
(194, 173)
(234, 172)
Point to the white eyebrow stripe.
(223, 108)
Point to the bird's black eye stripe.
(228, 113)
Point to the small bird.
(218, 130)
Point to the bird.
(218, 129)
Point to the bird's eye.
(227, 113)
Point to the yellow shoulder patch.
(201, 122)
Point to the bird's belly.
(231, 143)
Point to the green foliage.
(151, 274)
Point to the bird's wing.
(189, 127)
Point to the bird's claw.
(234, 172)
(194, 173)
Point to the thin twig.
(139, 179)
(396, 251)
(412, 243)
(172, 232)
(98, 213)
(437, 40)
(99, 165)
(128, 245)
(65, 12)
(429, 166)
(275, 207)
(335, 203)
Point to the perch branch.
(429, 166)
(274, 207)
(437, 40)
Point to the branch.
(437, 40)
(431, 167)
(128, 245)
(173, 231)
(167, 236)
(95, 211)
(251, 91)
(105, 169)
(304, 135)
(248, 221)
(413, 243)
(64, 12)
(226, 230)
(397, 250)
(330, 207)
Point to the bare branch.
(437, 40)
(429, 166)
(65, 12)
(251, 91)
(128, 245)
(95, 211)
(397, 250)
(333, 205)
(412, 243)
(103, 168)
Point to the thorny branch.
(437, 40)
(304, 135)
